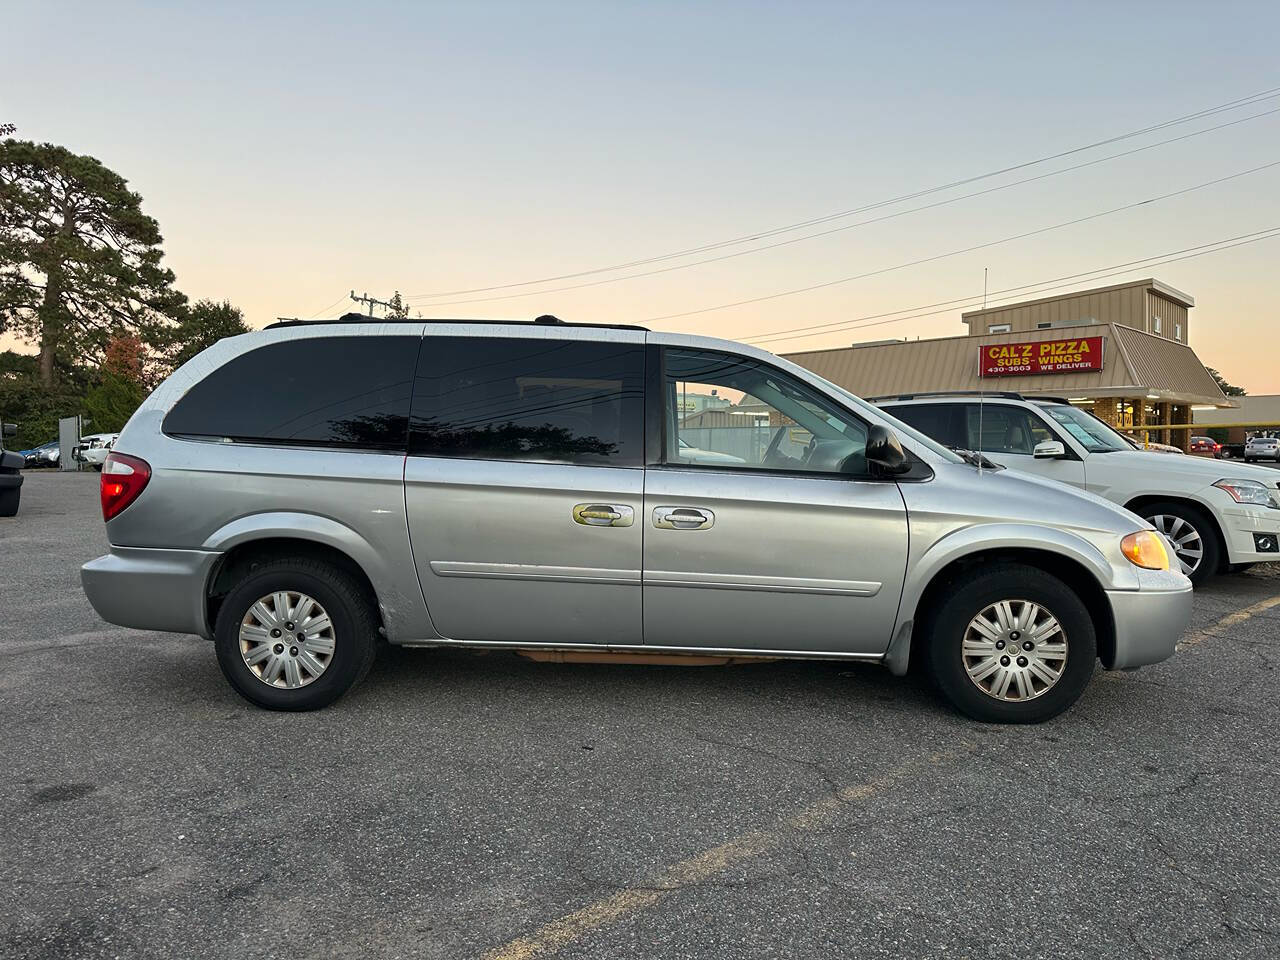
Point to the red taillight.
(123, 478)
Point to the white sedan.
(95, 447)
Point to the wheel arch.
(1070, 559)
(251, 541)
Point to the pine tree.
(79, 260)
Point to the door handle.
(603, 514)
(683, 518)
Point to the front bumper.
(1148, 624)
(1239, 526)
(151, 589)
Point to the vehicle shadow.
(466, 674)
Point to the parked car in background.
(11, 464)
(1215, 518)
(95, 447)
(45, 455)
(1262, 448)
(1231, 451)
(298, 493)
(1204, 446)
(691, 454)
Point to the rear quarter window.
(350, 392)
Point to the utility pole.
(371, 301)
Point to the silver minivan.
(301, 494)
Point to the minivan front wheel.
(1012, 644)
(295, 634)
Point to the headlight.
(1249, 491)
(1145, 549)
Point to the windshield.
(1086, 429)
(903, 428)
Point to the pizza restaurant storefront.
(1127, 376)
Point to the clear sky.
(293, 151)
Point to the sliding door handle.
(683, 518)
(603, 514)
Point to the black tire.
(355, 631)
(971, 594)
(1211, 553)
(9, 501)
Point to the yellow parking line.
(574, 926)
(1229, 621)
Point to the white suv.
(1217, 516)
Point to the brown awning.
(1135, 364)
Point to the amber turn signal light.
(1145, 549)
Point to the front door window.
(736, 413)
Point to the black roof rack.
(545, 320)
(1002, 394)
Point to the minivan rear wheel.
(295, 634)
(1011, 644)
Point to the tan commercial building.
(1263, 410)
(1119, 350)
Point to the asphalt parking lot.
(460, 806)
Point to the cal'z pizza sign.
(1044, 356)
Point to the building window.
(999, 327)
(1155, 324)
(1044, 325)
(1177, 331)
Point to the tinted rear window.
(323, 391)
(934, 420)
(568, 401)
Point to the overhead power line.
(312, 316)
(1018, 292)
(851, 226)
(1238, 103)
(968, 249)
(837, 324)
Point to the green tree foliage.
(119, 390)
(1230, 389)
(78, 257)
(109, 405)
(35, 410)
(201, 325)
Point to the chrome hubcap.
(1014, 650)
(286, 639)
(1188, 545)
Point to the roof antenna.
(980, 383)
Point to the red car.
(1205, 446)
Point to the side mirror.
(1050, 450)
(10, 430)
(885, 452)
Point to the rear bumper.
(151, 589)
(1149, 624)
